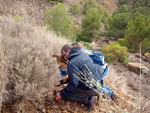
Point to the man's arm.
(73, 82)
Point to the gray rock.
(135, 67)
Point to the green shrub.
(145, 46)
(60, 21)
(56, 1)
(114, 52)
(131, 50)
(109, 57)
(137, 31)
(91, 23)
(104, 13)
(89, 4)
(123, 42)
(75, 8)
(87, 45)
(126, 61)
(81, 2)
(17, 18)
(80, 37)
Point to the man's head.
(65, 50)
(75, 44)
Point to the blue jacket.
(78, 63)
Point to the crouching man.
(82, 71)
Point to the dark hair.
(66, 47)
(75, 44)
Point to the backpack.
(96, 56)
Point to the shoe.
(113, 96)
(91, 103)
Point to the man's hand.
(58, 96)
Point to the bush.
(126, 61)
(87, 45)
(80, 37)
(123, 42)
(91, 23)
(81, 2)
(145, 45)
(137, 30)
(89, 4)
(75, 8)
(123, 2)
(56, 1)
(114, 52)
(104, 13)
(60, 21)
(117, 25)
(17, 18)
(31, 70)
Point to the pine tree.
(91, 23)
(118, 22)
(137, 31)
(60, 21)
(104, 13)
(89, 4)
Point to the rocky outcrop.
(136, 67)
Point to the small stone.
(82, 105)
(77, 109)
(65, 111)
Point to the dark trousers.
(82, 96)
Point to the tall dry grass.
(28, 69)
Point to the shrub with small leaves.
(145, 45)
(87, 45)
(126, 61)
(56, 1)
(30, 70)
(81, 2)
(114, 52)
(89, 4)
(17, 18)
(60, 21)
(75, 8)
(123, 42)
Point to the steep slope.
(35, 9)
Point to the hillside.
(30, 69)
(35, 9)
